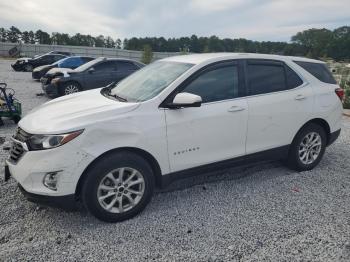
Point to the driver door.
(216, 130)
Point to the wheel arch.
(321, 122)
(144, 154)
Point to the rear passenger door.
(279, 104)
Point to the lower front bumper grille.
(17, 150)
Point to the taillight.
(340, 93)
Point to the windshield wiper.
(122, 99)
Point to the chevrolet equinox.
(110, 148)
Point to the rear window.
(320, 71)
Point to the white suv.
(178, 116)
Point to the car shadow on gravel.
(249, 174)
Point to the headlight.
(55, 80)
(41, 142)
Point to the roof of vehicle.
(200, 58)
(114, 59)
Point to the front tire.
(70, 88)
(308, 148)
(118, 187)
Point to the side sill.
(271, 154)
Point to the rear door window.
(318, 70)
(126, 66)
(106, 66)
(265, 76)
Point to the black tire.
(98, 172)
(28, 68)
(294, 159)
(67, 88)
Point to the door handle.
(300, 97)
(236, 109)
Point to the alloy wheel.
(121, 190)
(70, 89)
(310, 148)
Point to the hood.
(56, 70)
(25, 59)
(73, 112)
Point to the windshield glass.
(87, 65)
(149, 81)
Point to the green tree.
(25, 37)
(147, 54)
(3, 34)
(42, 37)
(14, 34)
(31, 36)
(317, 41)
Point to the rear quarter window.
(320, 71)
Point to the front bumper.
(17, 67)
(36, 75)
(50, 90)
(29, 171)
(67, 202)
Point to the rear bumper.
(67, 202)
(333, 137)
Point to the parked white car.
(176, 117)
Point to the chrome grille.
(17, 149)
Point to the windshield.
(149, 81)
(87, 65)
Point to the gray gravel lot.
(264, 212)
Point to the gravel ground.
(264, 212)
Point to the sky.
(274, 20)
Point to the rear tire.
(308, 148)
(118, 187)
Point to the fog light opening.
(50, 180)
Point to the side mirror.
(91, 70)
(185, 100)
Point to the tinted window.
(320, 71)
(215, 85)
(87, 59)
(57, 57)
(71, 62)
(126, 66)
(293, 80)
(265, 78)
(106, 66)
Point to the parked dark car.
(71, 62)
(56, 52)
(28, 64)
(94, 74)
